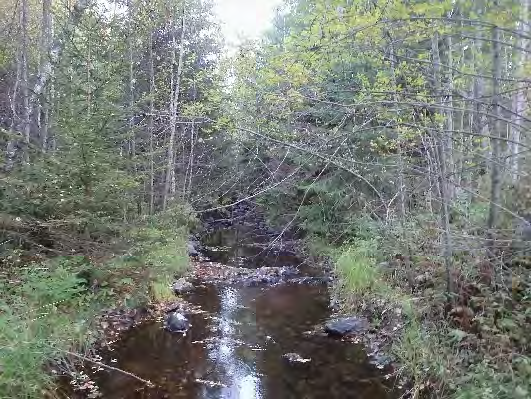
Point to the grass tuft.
(161, 290)
(357, 268)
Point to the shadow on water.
(235, 350)
(242, 247)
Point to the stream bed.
(236, 347)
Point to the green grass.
(168, 256)
(356, 267)
(41, 317)
(435, 354)
(487, 381)
(419, 352)
(161, 290)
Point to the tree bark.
(130, 38)
(57, 49)
(46, 43)
(150, 127)
(11, 143)
(442, 158)
(448, 135)
(45, 74)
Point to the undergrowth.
(48, 308)
(45, 313)
(476, 349)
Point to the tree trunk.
(168, 194)
(191, 159)
(130, 38)
(442, 158)
(45, 74)
(56, 50)
(11, 143)
(448, 136)
(519, 100)
(496, 161)
(26, 110)
(150, 127)
(46, 43)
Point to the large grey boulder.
(192, 248)
(345, 325)
(181, 286)
(176, 322)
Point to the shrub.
(419, 351)
(163, 250)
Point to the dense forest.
(389, 136)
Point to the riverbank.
(56, 311)
(471, 344)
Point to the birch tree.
(177, 61)
(520, 97)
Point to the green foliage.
(161, 244)
(168, 255)
(486, 380)
(178, 215)
(49, 309)
(45, 314)
(420, 352)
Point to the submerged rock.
(311, 280)
(295, 358)
(176, 322)
(181, 286)
(381, 360)
(345, 325)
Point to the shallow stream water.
(234, 350)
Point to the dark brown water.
(235, 349)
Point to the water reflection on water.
(242, 381)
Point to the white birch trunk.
(519, 99)
(169, 187)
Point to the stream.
(235, 348)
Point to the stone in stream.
(381, 361)
(181, 286)
(311, 280)
(295, 358)
(191, 247)
(345, 325)
(176, 322)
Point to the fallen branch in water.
(147, 382)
